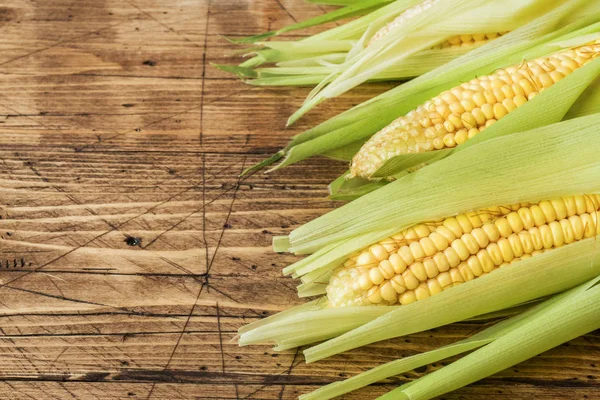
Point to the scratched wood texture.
(113, 126)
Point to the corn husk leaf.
(573, 314)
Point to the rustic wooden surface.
(113, 125)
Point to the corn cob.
(455, 41)
(460, 113)
(428, 258)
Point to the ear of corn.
(565, 95)
(428, 258)
(510, 285)
(364, 120)
(461, 113)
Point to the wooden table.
(131, 251)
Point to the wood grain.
(113, 126)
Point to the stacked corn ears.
(478, 179)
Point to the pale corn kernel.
(538, 215)
(386, 269)
(376, 276)
(526, 241)
(434, 286)
(379, 252)
(466, 272)
(567, 230)
(431, 268)
(516, 245)
(491, 231)
(475, 266)
(397, 263)
(560, 208)
(461, 249)
(580, 204)
(444, 279)
(548, 210)
(428, 246)
(453, 225)
(546, 234)
(480, 236)
(470, 242)
(461, 136)
(388, 293)
(366, 259)
(374, 295)
(416, 250)
(406, 255)
(506, 249)
(422, 291)
(503, 227)
(410, 280)
(487, 264)
(589, 225)
(577, 224)
(446, 232)
(441, 262)
(408, 297)
(526, 218)
(465, 223)
(418, 270)
(456, 276)
(365, 282)
(452, 257)
(536, 237)
(495, 253)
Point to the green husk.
(519, 314)
(359, 123)
(571, 315)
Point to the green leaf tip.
(252, 39)
(264, 163)
(241, 72)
